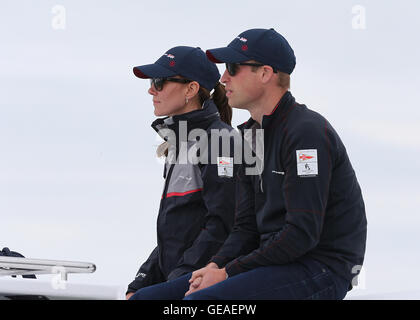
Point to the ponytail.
(220, 100)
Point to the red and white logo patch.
(304, 157)
(225, 167)
(307, 162)
(172, 57)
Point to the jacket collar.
(286, 101)
(200, 118)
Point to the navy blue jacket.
(197, 206)
(306, 203)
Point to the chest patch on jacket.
(225, 166)
(307, 162)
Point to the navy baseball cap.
(188, 62)
(263, 45)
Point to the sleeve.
(305, 191)
(218, 194)
(244, 237)
(148, 274)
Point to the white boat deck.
(60, 287)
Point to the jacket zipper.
(165, 190)
(261, 183)
(168, 177)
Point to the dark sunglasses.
(158, 82)
(232, 68)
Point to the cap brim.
(152, 71)
(226, 54)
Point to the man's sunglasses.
(232, 68)
(158, 82)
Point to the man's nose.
(225, 77)
(152, 91)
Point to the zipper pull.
(261, 183)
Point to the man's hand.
(206, 277)
(128, 296)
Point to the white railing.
(58, 287)
(25, 266)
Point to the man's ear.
(267, 73)
(192, 89)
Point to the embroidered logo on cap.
(170, 56)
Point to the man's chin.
(236, 106)
(231, 103)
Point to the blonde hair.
(283, 80)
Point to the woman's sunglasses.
(232, 68)
(158, 82)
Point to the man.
(300, 223)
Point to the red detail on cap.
(211, 57)
(140, 74)
(304, 157)
(244, 47)
(172, 63)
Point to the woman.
(197, 205)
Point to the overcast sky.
(79, 179)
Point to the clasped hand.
(206, 277)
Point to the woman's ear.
(192, 89)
